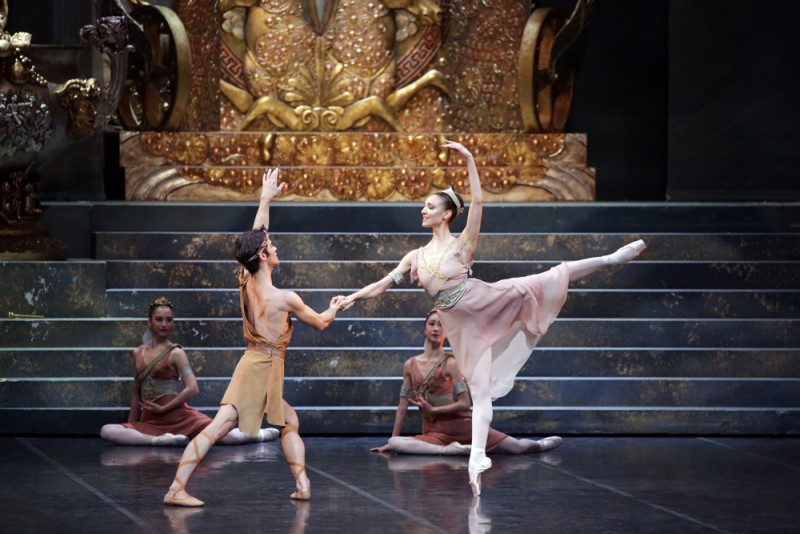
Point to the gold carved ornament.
(332, 83)
(549, 51)
(156, 92)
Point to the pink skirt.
(505, 320)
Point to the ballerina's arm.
(469, 237)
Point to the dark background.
(682, 100)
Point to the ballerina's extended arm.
(472, 229)
(378, 288)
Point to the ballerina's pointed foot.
(188, 501)
(626, 253)
(549, 443)
(475, 471)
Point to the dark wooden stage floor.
(608, 484)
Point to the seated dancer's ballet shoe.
(475, 470)
(268, 434)
(300, 495)
(456, 448)
(548, 444)
(625, 254)
(188, 501)
(170, 440)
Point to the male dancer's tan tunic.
(256, 386)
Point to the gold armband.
(186, 370)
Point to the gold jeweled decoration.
(352, 99)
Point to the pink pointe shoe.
(625, 254)
(475, 471)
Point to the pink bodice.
(435, 274)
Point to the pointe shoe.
(475, 474)
(550, 443)
(623, 254)
(188, 501)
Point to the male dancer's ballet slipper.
(171, 497)
(304, 495)
(475, 471)
(550, 443)
(188, 501)
(622, 254)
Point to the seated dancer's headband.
(452, 194)
(160, 301)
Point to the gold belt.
(447, 298)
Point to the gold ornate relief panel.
(352, 98)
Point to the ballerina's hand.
(458, 147)
(346, 303)
(383, 448)
(270, 188)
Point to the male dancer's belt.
(447, 298)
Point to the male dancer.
(256, 387)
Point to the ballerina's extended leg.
(581, 268)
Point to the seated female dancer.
(433, 377)
(492, 327)
(159, 414)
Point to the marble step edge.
(74, 362)
(570, 391)
(518, 421)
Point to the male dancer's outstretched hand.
(270, 188)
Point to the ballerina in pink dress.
(492, 327)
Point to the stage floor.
(610, 484)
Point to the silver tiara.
(452, 194)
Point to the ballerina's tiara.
(452, 194)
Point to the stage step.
(698, 336)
